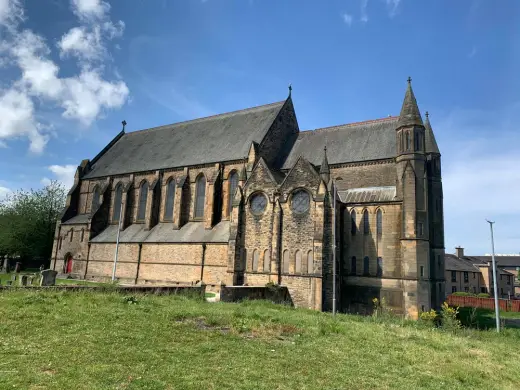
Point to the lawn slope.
(64, 340)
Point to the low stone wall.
(157, 290)
(276, 294)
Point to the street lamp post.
(497, 311)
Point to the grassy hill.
(63, 340)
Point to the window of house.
(474, 275)
(255, 260)
(453, 289)
(501, 277)
(118, 198)
(422, 271)
(258, 203)
(233, 184)
(422, 308)
(353, 265)
(453, 276)
(298, 262)
(466, 277)
(379, 266)
(267, 260)
(95, 198)
(466, 289)
(366, 264)
(286, 261)
(509, 280)
(417, 139)
(501, 291)
(379, 223)
(310, 262)
(143, 196)
(366, 226)
(170, 200)
(200, 196)
(474, 290)
(353, 227)
(483, 290)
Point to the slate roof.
(77, 219)
(502, 261)
(200, 141)
(368, 194)
(410, 114)
(361, 141)
(192, 232)
(469, 263)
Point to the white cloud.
(82, 97)
(11, 13)
(392, 6)
(347, 18)
(364, 15)
(480, 178)
(4, 192)
(90, 9)
(62, 173)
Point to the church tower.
(435, 214)
(411, 187)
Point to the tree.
(28, 220)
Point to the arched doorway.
(68, 264)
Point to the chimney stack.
(459, 251)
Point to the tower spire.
(410, 114)
(324, 168)
(429, 139)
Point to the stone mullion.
(177, 206)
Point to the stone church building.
(247, 198)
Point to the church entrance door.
(68, 265)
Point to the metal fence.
(485, 303)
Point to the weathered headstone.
(18, 267)
(48, 277)
(3, 264)
(30, 280)
(23, 280)
(9, 283)
(13, 278)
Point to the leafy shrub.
(449, 318)
(429, 318)
(483, 295)
(130, 299)
(463, 294)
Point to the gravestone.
(18, 267)
(23, 280)
(3, 264)
(48, 277)
(30, 280)
(13, 278)
(9, 283)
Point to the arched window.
(379, 223)
(366, 226)
(267, 260)
(285, 261)
(170, 199)
(366, 268)
(379, 266)
(200, 196)
(233, 183)
(255, 260)
(353, 227)
(118, 198)
(407, 140)
(143, 196)
(417, 141)
(310, 263)
(298, 262)
(95, 198)
(353, 265)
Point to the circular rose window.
(258, 203)
(300, 202)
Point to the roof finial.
(124, 124)
(409, 80)
(427, 114)
(290, 89)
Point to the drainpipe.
(88, 257)
(202, 262)
(138, 263)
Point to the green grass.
(86, 340)
(5, 277)
(485, 318)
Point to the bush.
(449, 318)
(463, 294)
(483, 295)
(428, 318)
(381, 309)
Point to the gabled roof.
(361, 141)
(200, 141)
(469, 263)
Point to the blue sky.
(70, 72)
